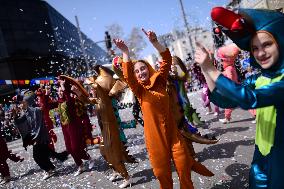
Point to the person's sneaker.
(48, 174)
(5, 180)
(216, 114)
(225, 121)
(91, 163)
(253, 121)
(207, 113)
(80, 170)
(125, 183)
(113, 176)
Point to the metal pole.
(186, 26)
(82, 46)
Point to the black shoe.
(63, 156)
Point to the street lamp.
(186, 26)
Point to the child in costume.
(43, 101)
(104, 86)
(4, 155)
(207, 103)
(205, 91)
(71, 125)
(29, 121)
(179, 75)
(261, 33)
(127, 97)
(163, 141)
(181, 107)
(227, 54)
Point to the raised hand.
(74, 89)
(121, 45)
(61, 82)
(14, 111)
(47, 90)
(203, 57)
(151, 35)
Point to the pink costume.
(205, 98)
(228, 55)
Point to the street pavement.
(229, 159)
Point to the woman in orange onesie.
(163, 141)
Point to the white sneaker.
(48, 174)
(80, 170)
(91, 163)
(216, 114)
(113, 176)
(254, 121)
(225, 121)
(207, 113)
(125, 183)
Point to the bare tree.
(136, 42)
(115, 30)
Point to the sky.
(162, 16)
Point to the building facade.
(37, 41)
(263, 4)
(258, 4)
(179, 44)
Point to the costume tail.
(201, 169)
(192, 115)
(128, 158)
(198, 138)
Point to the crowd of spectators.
(7, 128)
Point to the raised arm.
(166, 62)
(154, 40)
(247, 97)
(204, 58)
(128, 69)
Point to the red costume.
(44, 103)
(71, 126)
(4, 155)
(81, 112)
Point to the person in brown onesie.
(163, 141)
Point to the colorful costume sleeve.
(229, 94)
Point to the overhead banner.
(36, 81)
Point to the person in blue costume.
(261, 32)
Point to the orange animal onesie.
(163, 141)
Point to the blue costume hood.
(244, 26)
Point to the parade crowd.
(246, 72)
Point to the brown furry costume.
(111, 147)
